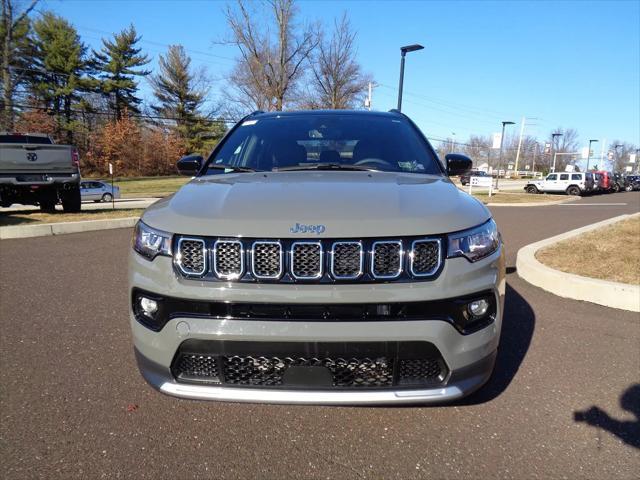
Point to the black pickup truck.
(34, 171)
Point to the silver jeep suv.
(318, 257)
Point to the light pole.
(403, 53)
(589, 154)
(504, 124)
(553, 142)
(617, 159)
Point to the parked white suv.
(569, 182)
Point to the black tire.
(107, 197)
(575, 191)
(71, 201)
(47, 205)
(616, 188)
(629, 188)
(531, 189)
(47, 200)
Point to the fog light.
(478, 308)
(148, 306)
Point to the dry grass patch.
(609, 253)
(148, 186)
(506, 197)
(34, 217)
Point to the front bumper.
(469, 358)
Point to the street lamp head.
(411, 48)
(508, 123)
(554, 135)
(593, 141)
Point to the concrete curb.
(534, 204)
(568, 285)
(62, 228)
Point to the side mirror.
(190, 165)
(457, 164)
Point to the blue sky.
(567, 64)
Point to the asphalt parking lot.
(72, 404)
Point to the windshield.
(341, 141)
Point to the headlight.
(150, 242)
(475, 243)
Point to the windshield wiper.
(232, 168)
(325, 166)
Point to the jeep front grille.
(346, 260)
(386, 261)
(266, 259)
(191, 258)
(228, 259)
(425, 257)
(288, 261)
(306, 260)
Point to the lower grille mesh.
(364, 368)
(197, 367)
(352, 372)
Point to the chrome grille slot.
(266, 259)
(425, 257)
(191, 258)
(347, 260)
(386, 259)
(306, 260)
(228, 259)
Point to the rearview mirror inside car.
(457, 164)
(190, 165)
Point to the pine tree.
(181, 93)
(118, 64)
(61, 66)
(16, 51)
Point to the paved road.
(72, 404)
(122, 203)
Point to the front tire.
(71, 201)
(107, 197)
(531, 189)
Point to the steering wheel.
(375, 161)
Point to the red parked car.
(607, 180)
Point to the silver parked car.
(98, 191)
(318, 257)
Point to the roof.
(296, 113)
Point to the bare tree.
(622, 152)
(337, 79)
(14, 27)
(566, 143)
(270, 65)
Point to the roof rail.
(395, 110)
(257, 112)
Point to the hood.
(346, 204)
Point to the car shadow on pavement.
(626, 430)
(517, 331)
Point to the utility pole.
(524, 119)
(367, 102)
(553, 147)
(504, 124)
(589, 154)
